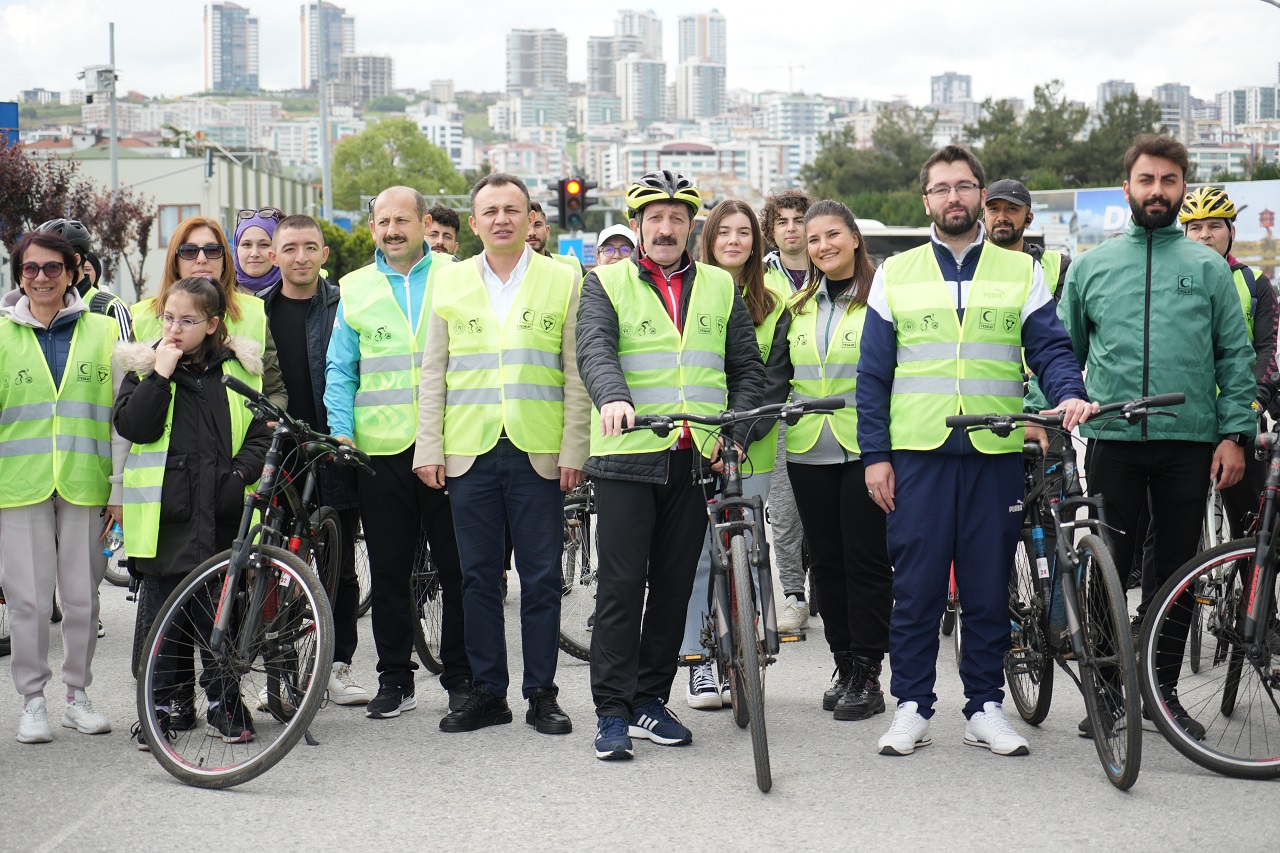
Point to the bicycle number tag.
(285, 580)
(1042, 567)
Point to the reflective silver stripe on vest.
(385, 397)
(536, 357)
(849, 397)
(525, 391)
(389, 363)
(649, 361)
(966, 387)
(842, 370)
(946, 351)
(26, 446)
(26, 412)
(85, 445)
(142, 494)
(146, 459)
(702, 358)
(473, 397)
(991, 352)
(663, 394)
(474, 361)
(811, 372)
(937, 351)
(704, 394)
(77, 409)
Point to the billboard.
(8, 123)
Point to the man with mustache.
(1151, 312)
(1008, 216)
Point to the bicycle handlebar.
(1130, 410)
(790, 412)
(313, 443)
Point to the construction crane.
(791, 72)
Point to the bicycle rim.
(180, 665)
(1232, 696)
(363, 575)
(5, 643)
(747, 661)
(578, 593)
(116, 576)
(1028, 666)
(428, 608)
(324, 551)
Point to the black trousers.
(397, 508)
(845, 531)
(346, 605)
(649, 534)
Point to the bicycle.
(362, 574)
(258, 616)
(741, 631)
(5, 642)
(1225, 599)
(428, 607)
(580, 572)
(1071, 607)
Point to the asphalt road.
(403, 784)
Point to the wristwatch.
(1236, 437)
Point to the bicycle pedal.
(798, 637)
(693, 660)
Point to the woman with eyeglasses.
(198, 248)
(255, 271)
(616, 243)
(56, 392)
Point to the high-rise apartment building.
(230, 48)
(603, 53)
(950, 88)
(366, 77)
(699, 89)
(1110, 90)
(642, 88)
(340, 31)
(703, 37)
(537, 59)
(647, 26)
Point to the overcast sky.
(863, 49)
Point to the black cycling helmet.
(663, 185)
(75, 232)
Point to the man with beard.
(442, 236)
(1008, 216)
(946, 326)
(540, 232)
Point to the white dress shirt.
(502, 295)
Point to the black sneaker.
(546, 715)
(182, 716)
(390, 701)
(481, 709)
(1135, 628)
(234, 725)
(863, 699)
(458, 694)
(140, 739)
(1188, 723)
(839, 681)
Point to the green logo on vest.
(526, 320)
(849, 339)
(23, 377)
(548, 322)
(1185, 285)
(382, 333)
(801, 340)
(928, 321)
(104, 373)
(1010, 321)
(84, 371)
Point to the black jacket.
(202, 499)
(337, 483)
(601, 371)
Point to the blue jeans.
(756, 484)
(500, 487)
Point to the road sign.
(8, 123)
(572, 246)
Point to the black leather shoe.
(864, 698)
(481, 709)
(458, 694)
(839, 681)
(546, 715)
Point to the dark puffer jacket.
(203, 494)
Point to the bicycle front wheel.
(1028, 666)
(747, 679)
(1107, 672)
(116, 574)
(428, 608)
(1234, 695)
(192, 697)
(578, 590)
(363, 575)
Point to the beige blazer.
(576, 441)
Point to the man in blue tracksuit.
(944, 334)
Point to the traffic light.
(574, 199)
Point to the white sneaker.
(909, 730)
(262, 700)
(343, 689)
(988, 728)
(81, 716)
(793, 615)
(102, 630)
(703, 692)
(33, 725)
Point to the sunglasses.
(190, 251)
(51, 270)
(264, 213)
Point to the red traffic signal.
(574, 199)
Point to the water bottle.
(114, 541)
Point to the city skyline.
(1127, 43)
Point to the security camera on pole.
(98, 80)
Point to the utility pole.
(326, 179)
(115, 148)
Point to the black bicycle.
(579, 572)
(258, 619)
(1070, 606)
(741, 630)
(428, 606)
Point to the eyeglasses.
(184, 324)
(264, 213)
(610, 251)
(51, 270)
(962, 188)
(190, 251)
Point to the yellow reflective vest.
(834, 375)
(762, 454)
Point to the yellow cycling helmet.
(664, 185)
(1206, 203)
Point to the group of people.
(484, 389)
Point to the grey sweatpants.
(784, 518)
(40, 545)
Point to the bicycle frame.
(1262, 569)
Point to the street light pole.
(326, 178)
(115, 150)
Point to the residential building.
(72, 98)
(297, 142)
(1233, 108)
(950, 87)
(40, 96)
(97, 116)
(537, 59)
(591, 111)
(1112, 89)
(642, 88)
(442, 91)
(340, 31)
(534, 162)
(646, 25)
(797, 116)
(366, 77)
(702, 36)
(700, 87)
(603, 53)
(445, 130)
(230, 48)
(540, 107)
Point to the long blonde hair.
(226, 281)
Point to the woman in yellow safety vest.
(55, 470)
(732, 240)
(194, 449)
(843, 527)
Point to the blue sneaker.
(612, 742)
(656, 723)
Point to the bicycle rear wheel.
(324, 552)
(747, 679)
(1234, 695)
(1028, 666)
(363, 575)
(1108, 675)
(5, 643)
(294, 623)
(116, 574)
(428, 608)
(141, 627)
(580, 572)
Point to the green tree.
(901, 141)
(998, 141)
(902, 207)
(393, 151)
(1099, 160)
(387, 104)
(1050, 127)
(347, 251)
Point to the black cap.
(1009, 190)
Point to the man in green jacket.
(1151, 312)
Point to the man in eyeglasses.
(615, 243)
(946, 326)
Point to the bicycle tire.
(1215, 530)
(324, 552)
(1108, 675)
(141, 628)
(363, 575)
(748, 673)
(293, 606)
(6, 644)
(288, 671)
(581, 571)
(1239, 743)
(949, 617)
(957, 635)
(427, 598)
(116, 574)
(1028, 666)
(1195, 648)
